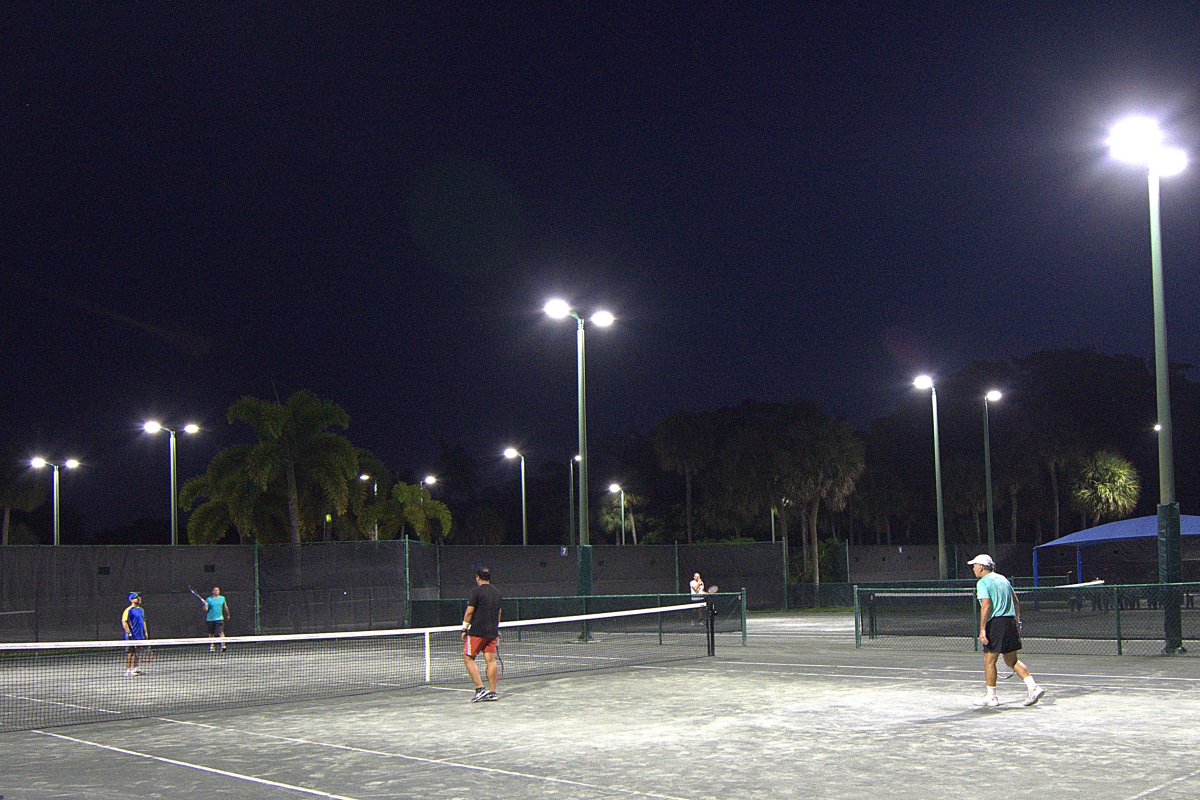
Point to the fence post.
(407, 589)
(676, 566)
(846, 542)
(1117, 598)
(257, 596)
(857, 622)
(743, 616)
(785, 573)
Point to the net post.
(711, 608)
(1117, 610)
(857, 621)
(676, 566)
(427, 658)
(743, 616)
(407, 589)
(659, 599)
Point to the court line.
(423, 760)
(201, 768)
(1160, 787)
(58, 703)
(934, 669)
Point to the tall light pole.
(512, 452)
(571, 499)
(155, 427)
(615, 489)
(38, 463)
(559, 309)
(374, 494)
(990, 397)
(926, 382)
(1139, 140)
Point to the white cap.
(983, 560)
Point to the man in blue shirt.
(218, 612)
(133, 620)
(1000, 629)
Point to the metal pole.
(584, 537)
(174, 494)
(987, 477)
(571, 502)
(937, 474)
(772, 526)
(524, 518)
(56, 539)
(622, 517)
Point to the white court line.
(1160, 787)
(932, 669)
(59, 703)
(201, 767)
(421, 760)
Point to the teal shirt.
(216, 608)
(995, 587)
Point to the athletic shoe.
(223, 648)
(212, 649)
(991, 701)
(1034, 696)
(135, 671)
(490, 696)
(128, 673)
(480, 694)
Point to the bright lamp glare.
(364, 477)
(72, 463)
(614, 487)
(191, 428)
(1136, 140)
(1169, 161)
(38, 463)
(602, 319)
(578, 457)
(430, 480)
(923, 382)
(557, 309)
(152, 427)
(1157, 427)
(511, 452)
(993, 396)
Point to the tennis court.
(798, 712)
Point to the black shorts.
(1003, 635)
(216, 627)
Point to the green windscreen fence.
(1085, 620)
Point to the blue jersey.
(136, 617)
(216, 608)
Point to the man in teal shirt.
(218, 612)
(1000, 629)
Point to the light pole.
(559, 309)
(512, 452)
(1139, 140)
(926, 382)
(155, 427)
(374, 494)
(571, 499)
(38, 463)
(990, 397)
(615, 489)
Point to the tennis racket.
(198, 597)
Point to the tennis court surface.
(798, 712)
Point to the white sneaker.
(990, 701)
(128, 673)
(135, 671)
(1035, 694)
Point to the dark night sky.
(773, 200)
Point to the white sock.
(1031, 683)
(991, 692)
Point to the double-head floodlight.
(560, 309)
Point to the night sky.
(774, 199)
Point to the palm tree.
(683, 443)
(19, 491)
(1107, 486)
(295, 447)
(230, 499)
(409, 504)
(833, 463)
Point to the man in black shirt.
(481, 632)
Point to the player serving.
(218, 613)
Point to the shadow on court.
(796, 713)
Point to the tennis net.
(69, 683)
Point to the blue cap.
(133, 596)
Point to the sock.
(991, 692)
(1031, 683)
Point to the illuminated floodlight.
(923, 382)
(557, 309)
(191, 427)
(602, 319)
(1135, 140)
(72, 463)
(430, 480)
(614, 487)
(1169, 161)
(364, 477)
(993, 396)
(511, 452)
(38, 462)
(152, 427)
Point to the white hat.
(983, 560)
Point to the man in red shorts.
(481, 632)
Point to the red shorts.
(474, 645)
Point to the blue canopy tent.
(1137, 528)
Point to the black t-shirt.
(485, 622)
